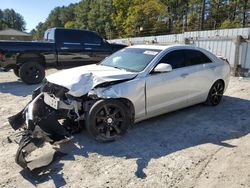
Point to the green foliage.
(3, 25)
(229, 24)
(39, 31)
(120, 15)
(11, 19)
(128, 18)
(71, 24)
(144, 18)
(81, 12)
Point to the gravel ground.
(199, 146)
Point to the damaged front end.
(52, 116)
(61, 106)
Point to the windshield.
(131, 59)
(49, 35)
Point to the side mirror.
(163, 67)
(104, 41)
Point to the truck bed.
(24, 46)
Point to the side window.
(174, 58)
(205, 58)
(92, 38)
(69, 36)
(194, 57)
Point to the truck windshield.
(131, 59)
(49, 35)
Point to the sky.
(34, 11)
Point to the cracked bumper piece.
(41, 125)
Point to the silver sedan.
(133, 84)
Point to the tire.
(107, 120)
(215, 94)
(16, 72)
(32, 73)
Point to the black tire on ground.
(32, 73)
(16, 72)
(107, 120)
(215, 94)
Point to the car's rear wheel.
(107, 120)
(215, 93)
(32, 73)
(16, 71)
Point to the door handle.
(87, 48)
(212, 67)
(184, 75)
(64, 48)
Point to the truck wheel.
(16, 72)
(107, 120)
(32, 73)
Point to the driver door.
(167, 91)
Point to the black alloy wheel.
(32, 73)
(108, 120)
(215, 93)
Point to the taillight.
(224, 59)
(2, 56)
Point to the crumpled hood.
(81, 80)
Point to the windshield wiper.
(120, 68)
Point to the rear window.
(49, 35)
(195, 57)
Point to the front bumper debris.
(40, 123)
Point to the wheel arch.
(221, 81)
(27, 57)
(130, 106)
(124, 101)
(209, 99)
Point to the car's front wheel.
(107, 120)
(215, 94)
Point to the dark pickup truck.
(61, 48)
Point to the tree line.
(129, 18)
(11, 19)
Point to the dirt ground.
(199, 146)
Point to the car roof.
(173, 46)
(157, 47)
